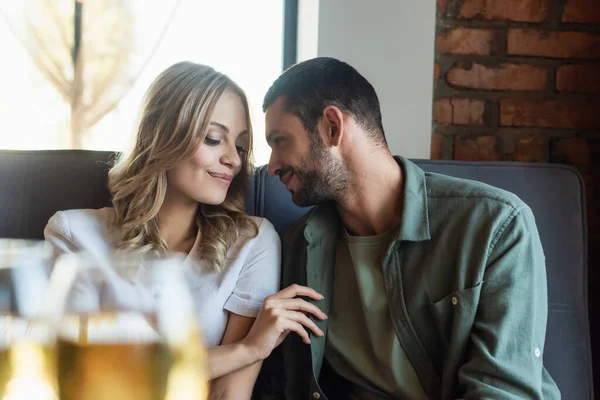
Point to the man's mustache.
(283, 172)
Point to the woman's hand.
(281, 314)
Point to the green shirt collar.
(415, 215)
(324, 219)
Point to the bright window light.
(238, 37)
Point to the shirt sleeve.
(505, 359)
(259, 276)
(84, 295)
(58, 234)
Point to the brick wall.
(519, 80)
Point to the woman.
(182, 190)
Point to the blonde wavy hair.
(173, 123)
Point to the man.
(434, 287)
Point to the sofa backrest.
(34, 185)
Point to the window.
(238, 37)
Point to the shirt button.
(454, 301)
(316, 395)
(537, 352)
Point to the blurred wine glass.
(27, 356)
(126, 329)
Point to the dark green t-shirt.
(361, 342)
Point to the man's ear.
(335, 125)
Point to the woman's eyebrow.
(220, 126)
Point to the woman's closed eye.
(211, 141)
(215, 142)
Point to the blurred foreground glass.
(126, 329)
(27, 357)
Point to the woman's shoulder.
(265, 228)
(266, 242)
(83, 218)
(81, 230)
(77, 223)
(247, 243)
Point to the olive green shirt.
(361, 344)
(465, 281)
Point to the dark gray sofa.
(34, 185)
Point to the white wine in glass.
(126, 329)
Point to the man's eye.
(278, 141)
(212, 142)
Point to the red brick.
(502, 77)
(441, 7)
(505, 10)
(549, 113)
(436, 74)
(582, 11)
(458, 111)
(531, 149)
(578, 78)
(436, 146)
(442, 112)
(465, 41)
(534, 42)
(467, 111)
(574, 151)
(482, 148)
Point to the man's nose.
(274, 164)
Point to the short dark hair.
(312, 85)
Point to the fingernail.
(321, 297)
(321, 333)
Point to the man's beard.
(323, 178)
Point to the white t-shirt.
(250, 273)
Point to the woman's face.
(207, 175)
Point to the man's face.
(301, 160)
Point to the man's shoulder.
(319, 218)
(476, 193)
(295, 231)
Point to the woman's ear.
(335, 125)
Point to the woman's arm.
(233, 366)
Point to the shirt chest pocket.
(455, 314)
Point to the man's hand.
(281, 314)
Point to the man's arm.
(270, 384)
(271, 381)
(505, 358)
